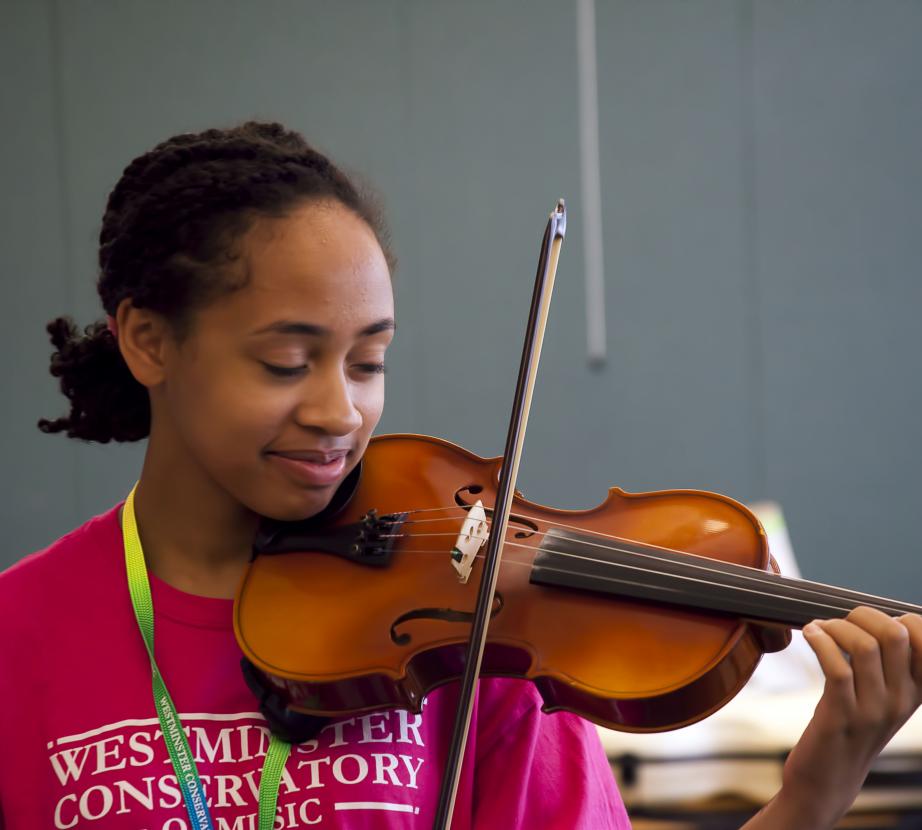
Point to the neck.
(631, 569)
(196, 536)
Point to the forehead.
(321, 263)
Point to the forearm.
(790, 811)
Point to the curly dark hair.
(169, 233)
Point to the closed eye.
(372, 368)
(284, 371)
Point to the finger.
(893, 641)
(836, 669)
(913, 624)
(864, 657)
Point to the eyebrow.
(313, 330)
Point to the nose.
(327, 404)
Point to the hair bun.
(106, 402)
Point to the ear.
(143, 338)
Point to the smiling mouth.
(317, 469)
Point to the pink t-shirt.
(80, 743)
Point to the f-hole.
(449, 615)
(475, 489)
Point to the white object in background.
(796, 667)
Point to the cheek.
(229, 421)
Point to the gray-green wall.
(762, 222)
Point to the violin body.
(336, 634)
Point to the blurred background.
(761, 217)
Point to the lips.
(314, 456)
(317, 468)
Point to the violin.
(645, 613)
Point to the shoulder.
(63, 567)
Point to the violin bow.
(528, 370)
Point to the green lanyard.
(178, 746)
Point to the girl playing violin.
(247, 290)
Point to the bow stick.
(528, 370)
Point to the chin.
(297, 507)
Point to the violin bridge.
(470, 540)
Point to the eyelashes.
(284, 371)
(296, 371)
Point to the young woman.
(247, 290)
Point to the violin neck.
(578, 561)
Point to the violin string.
(828, 604)
(548, 526)
(621, 581)
(454, 519)
(747, 572)
(434, 510)
(757, 576)
(767, 577)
